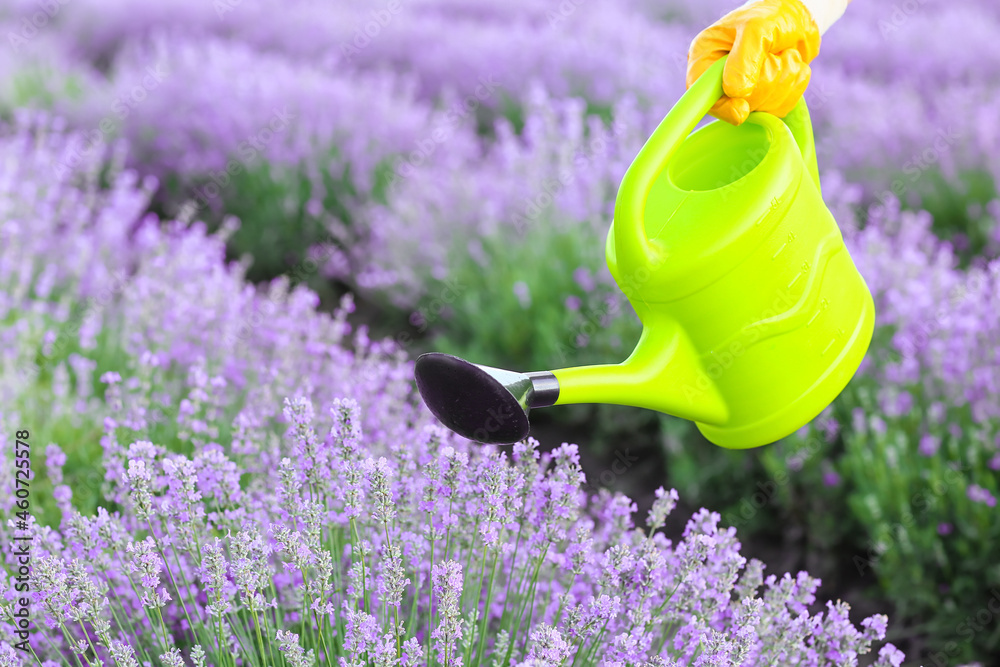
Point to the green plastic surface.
(754, 315)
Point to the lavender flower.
(394, 579)
(198, 655)
(123, 654)
(249, 565)
(288, 642)
(326, 533)
(378, 476)
(447, 589)
(140, 479)
(55, 459)
(145, 562)
(662, 507)
(978, 494)
(216, 583)
(172, 658)
(547, 646)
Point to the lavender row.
(420, 550)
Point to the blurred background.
(410, 153)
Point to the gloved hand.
(770, 43)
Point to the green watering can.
(754, 315)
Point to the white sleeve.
(825, 12)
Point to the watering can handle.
(630, 232)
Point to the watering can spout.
(491, 405)
(663, 373)
(479, 402)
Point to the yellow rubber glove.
(770, 43)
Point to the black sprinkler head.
(481, 403)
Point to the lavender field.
(228, 227)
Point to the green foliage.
(38, 85)
(47, 404)
(959, 208)
(275, 230)
(283, 211)
(518, 313)
(903, 519)
(933, 549)
(47, 378)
